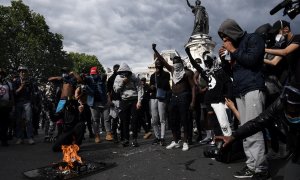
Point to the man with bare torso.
(183, 98)
(71, 129)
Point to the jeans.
(179, 115)
(158, 113)
(97, 110)
(24, 108)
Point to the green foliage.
(26, 40)
(83, 62)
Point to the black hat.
(279, 25)
(65, 69)
(22, 68)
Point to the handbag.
(160, 93)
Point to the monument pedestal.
(198, 44)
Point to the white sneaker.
(31, 141)
(185, 146)
(173, 145)
(19, 141)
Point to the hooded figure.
(247, 58)
(131, 90)
(231, 29)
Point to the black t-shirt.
(294, 61)
(163, 81)
(26, 93)
(219, 87)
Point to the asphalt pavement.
(146, 162)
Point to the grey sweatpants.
(250, 106)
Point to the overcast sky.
(119, 31)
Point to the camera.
(291, 8)
(213, 151)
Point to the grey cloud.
(123, 30)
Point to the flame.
(70, 156)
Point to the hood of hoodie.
(124, 68)
(231, 29)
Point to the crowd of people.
(229, 92)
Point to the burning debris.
(70, 157)
(71, 167)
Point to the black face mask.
(95, 77)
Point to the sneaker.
(97, 138)
(162, 142)
(244, 173)
(155, 141)
(147, 135)
(185, 146)
(205, 141)
(109, 136)
(264, 175)
(173, 145)
(134, 143)
(31, 141)
(19, 141)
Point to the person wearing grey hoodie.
(131, 92)
(247, 58)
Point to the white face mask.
(279, 37)
(178, 67)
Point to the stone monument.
(200, 41)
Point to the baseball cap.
(279, 25)
(24, 68)
(94, 70)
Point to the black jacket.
(249, 58)
(273, 116)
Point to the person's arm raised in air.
(195, 65)
(188, 3)
(161, 59)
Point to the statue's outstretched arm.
(188, 3)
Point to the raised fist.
(153, 46)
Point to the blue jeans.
(158, 113)
(24, 108)
(97, 111)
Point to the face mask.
(295, 120)
(280, 41)
(178, 67)
(95, 76)
(279, 38)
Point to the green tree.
(83, 62)
(26, 40)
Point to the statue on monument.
(201, 25)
